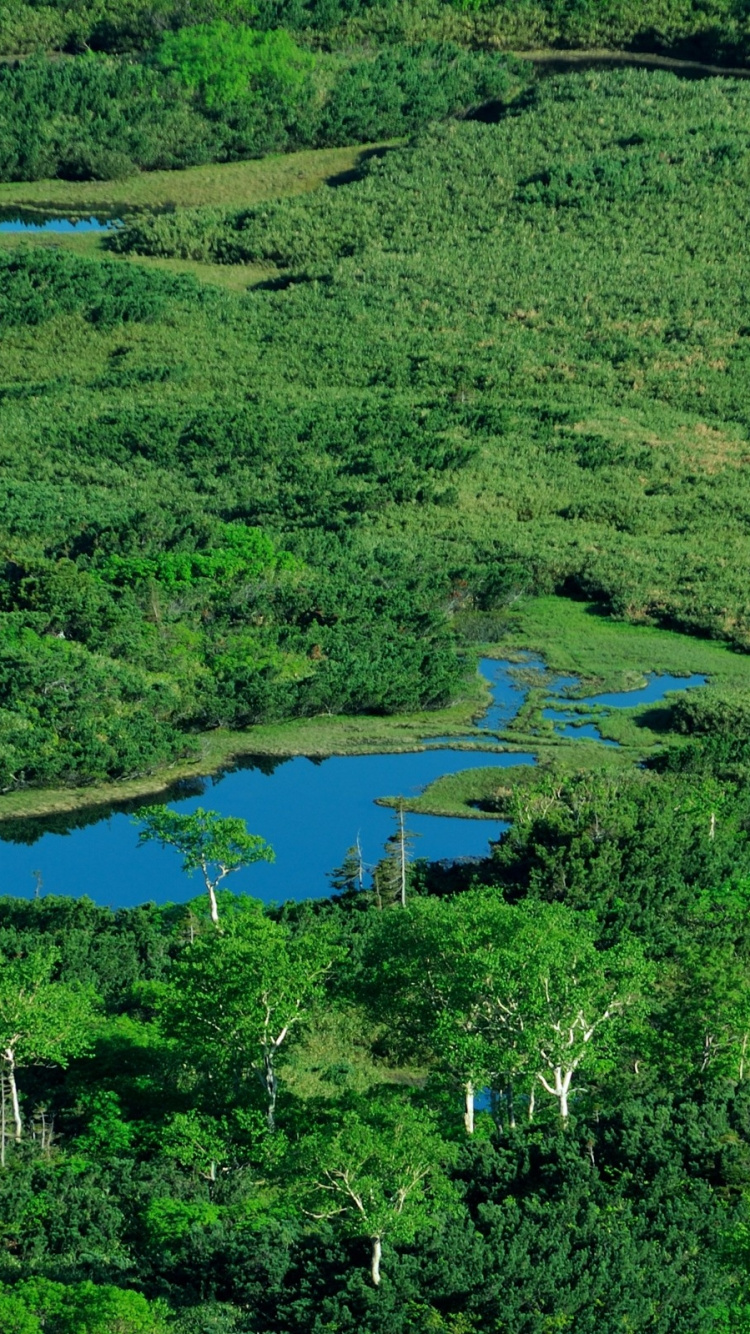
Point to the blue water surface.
(309, 811)
(22, 224)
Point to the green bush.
(216, 92)
(81, 1308)
(225, 64)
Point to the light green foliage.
(196, 1141)
(243, 553)
(15, 1316)
(224, 63)
(41, 1019)
(106, 1133)
(236, 998)
(205, 839)
(377, 1173)
(84, 1308)
(504, 992)
(214, 844)
(169, 1220)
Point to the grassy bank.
(220, 185)
(321, 736)
(578, 638)
(226, 184)
(574, 638)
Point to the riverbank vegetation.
(487, 391)
(421, 370)
(371, 1112)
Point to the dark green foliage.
(95, 119)
(405, 87)
(708, 29)
(109, 951)
(101, 118)
(615, 846)
(36, 286)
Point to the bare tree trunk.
(562, 1089)
(402, 854)
(469, 1107)
(214, 905)
(377, 1251)
(15, 1107)
(511, 1106)
(532, 1102)
(271, 1087)
(211, 890)
(2, 1119)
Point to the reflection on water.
(310, 811)
(27, 220)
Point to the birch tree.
(42, 1022)
(499, 993)
(215, 845)
(380, 1176)
(236, 998)
(571, 997)
(437, 978)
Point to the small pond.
(310, 811)
(32, 221)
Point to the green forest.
(512, 1096)
(294, 459)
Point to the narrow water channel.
(310, 811)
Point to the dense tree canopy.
(267, 1130)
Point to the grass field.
(577, 638)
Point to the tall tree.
(392, 872)
(350, 875)
(235, 998)
(380, 1174)
(497, 992)
(42, 1021)
(216, 845)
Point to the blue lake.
(310, 811)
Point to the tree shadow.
(356, 172)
